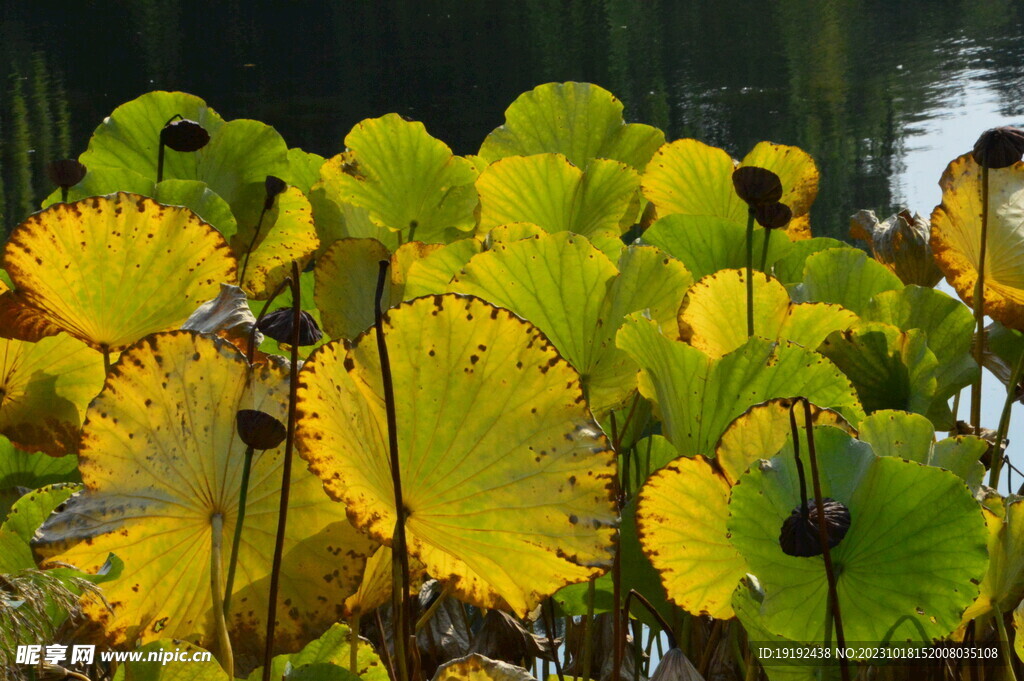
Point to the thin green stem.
(979, 307)
(252, 242)
(429, 612)
(588, 634)
(1004, 421)
(217, 590)
(400, 598)
(764, 249)
(548, 614)
(64, 194)
(286, 473)
(237, 540)
(384, 653)
(750, 273)
(665, 627)
(1004, 643)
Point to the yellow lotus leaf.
(333, 216)
(476, 667)
(498, 454)
(110, 270)
(286, 234)
(681, 521)
(346, 282)
(408, 181)
(430, 275)
(44, 390)
(713, 315)
(1003, 584)
(547, 190)
(692, 178)
(375, 588)
(763, 430)
(579, 298)
(162, 466)
(956, 236)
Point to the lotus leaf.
(956, 236)
(409, 181)
(692, 178)
(303, 169)
(44, 390)
(192, 670)
(29, 512)
(476, 667)
(23, 469)
(712, 317)
(581, 121)
(240, 152)
(333, 648)
(1003, 585)
(906, 569)
(891, 369)
(161, 462)
(697, 397)
(286, 234)
(845, 276)
(498, 454)
(432, 273)
(790, 267)
(547, 190)
(579, 298)
(110, 270)
(709, 244)
(681, 520)
(335, 218)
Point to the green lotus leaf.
(286, 234)
(240, 152)
(713, 315)
(912, 437)
(547, 190)
(845, 276)
(408, 181)
(111, 270)
(183, 668)
(162, 465)
(649, 454)
(19, 468)
(1003, 585)
(790, 267)
(335, 218)
(44, 390)
(493, 436)
(579, 298)
(581, 121)
(1018, 626)
(891, 369)
(346, 282)
(691, 178)
(431, 274)
(709, 244)
(908, 566)
(29, 512)
(681, 521)
(333, 647)
(101, 181)
(765, 428)
(949, 326)
(303, 169)
(697, 397)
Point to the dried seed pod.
(274, 186)
(184, 135)
(772, 215)
(278, 325)
(259, 429)
(65, 173)
(675, 666)
(901, 243)
(799, 536)
(757, 185)
(999, 147)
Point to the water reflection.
(882, 94)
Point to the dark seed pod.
(772, 215)
(799, 535)
(274, 186)
(65, 173)
(259, 429)
(999, 147)
(278, 325)
(184, 135)
(675, 666)
(757, 185)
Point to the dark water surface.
(882, 94)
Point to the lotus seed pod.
(274, 186)
(757, 185)
(259, 429)
(675, 666)
(773, 215)
(999, 147)
(184, 135)
(901, 243)
(278, 325)
(65, 173)
(800, 536)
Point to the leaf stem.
(750, 272)
(549, 625)
(216, 587)
(804, 510)
(400, 599)
(588, 628)
(633, 593)
(286, 474)
(1004, 643)
(237, 540)
(105, 349)
(833, 593)
(252, 242)
(764, 249)
(1004, 421)
(979, 308)
(709, 648)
